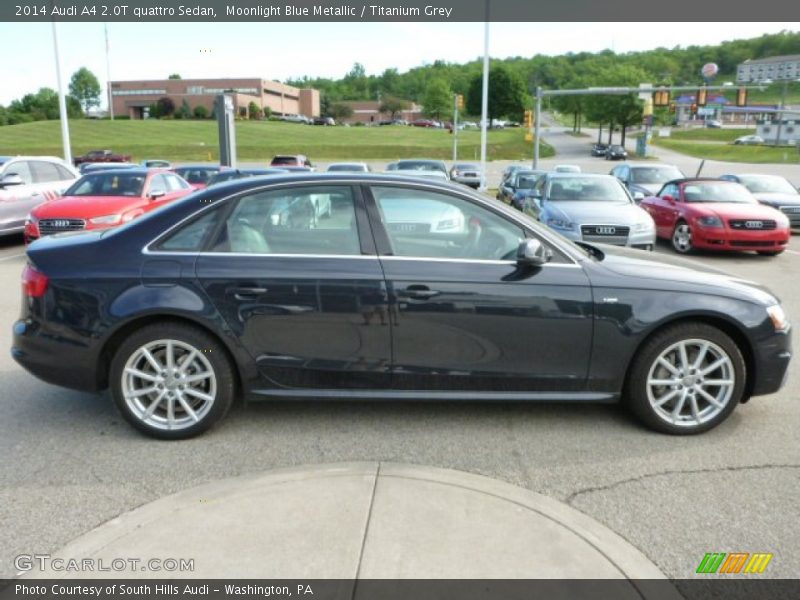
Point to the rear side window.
(190, 237)
(298, 220)
(44, 172)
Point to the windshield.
(527, 181)
(655, 174)
(197, 174)
(596, 189)
(717, 192)
(767, 184)
(420, 165)
(347, 168)
(108, 184)
(225, 176)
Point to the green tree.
(507, 97)
(393, 106)
(184, 112)
(438, 99)
(85, 88)
(200, 112)
(254, 111)
(174, 76)
(340, 111)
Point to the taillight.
(34, 283)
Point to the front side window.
(299, 220)
(433, 225)
(44, 172)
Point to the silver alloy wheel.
(690, 382)
(682, 238)
(169, 384)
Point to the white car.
(567, 169)
(26, 182)
(748, 140)
(349, 167)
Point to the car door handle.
(420, 292)
(248, 293)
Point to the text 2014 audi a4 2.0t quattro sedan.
(408, 289)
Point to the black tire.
(770, 252)
(682, 248)
(636, 393)
(213, 356)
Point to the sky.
(288, 50)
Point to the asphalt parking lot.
(71, 463)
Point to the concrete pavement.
(362, 520)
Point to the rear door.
(306, 297)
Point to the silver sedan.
(594, 208)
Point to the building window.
(137, 92)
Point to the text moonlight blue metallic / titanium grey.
(400, 289)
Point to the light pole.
(108, 76)
(484, 98)
(62, 100)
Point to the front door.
(304, 293)
(464, 315)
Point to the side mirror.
(533, 253)
(157, 194)
(638, 197)
(11, 179)
(668, 199)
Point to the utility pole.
(484, 98)
(108, 76)
(62, 101)
(537, 118)
(780, 112)
(456, 101)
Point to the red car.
(716, 215)
(105, 199)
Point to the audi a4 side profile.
(212, 297)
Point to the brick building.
(133, 98)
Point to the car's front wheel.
(682, 238)
(172, 380)
(686, 379)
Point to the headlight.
(783, 221)
(562, 224)
(31, 219)
(105, 220)
(710, 221)
(778, 317)
(643, 226)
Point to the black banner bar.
(392, 10)
(705, 588)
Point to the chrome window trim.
(571, 254)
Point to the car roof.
(564, 175)
(696, 180)
(174, 167)
(647, 164)
(143, 171)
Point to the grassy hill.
(182, 140)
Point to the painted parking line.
(10, 256)
(792, 251)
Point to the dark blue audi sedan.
(377, 286)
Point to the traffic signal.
(661, 98)
(702, 96)
(460, 102)
(529, 118)
(741, 97)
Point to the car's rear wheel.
(686, 379)
(682, 238)
(171, 380)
